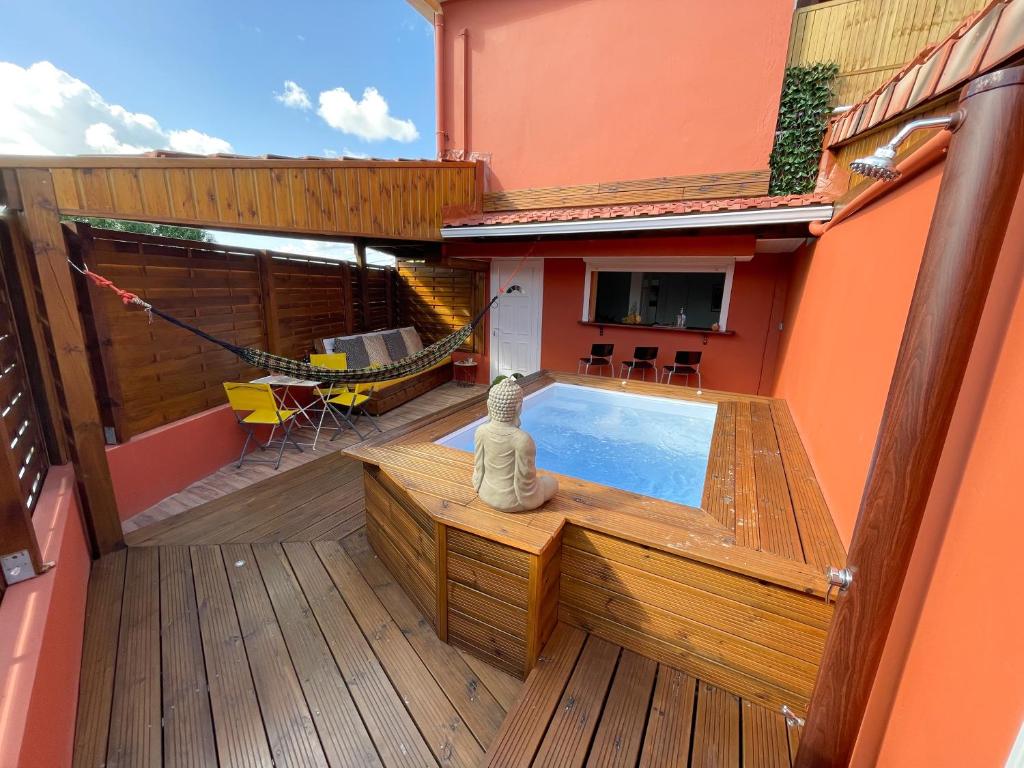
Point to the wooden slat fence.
(150, 374)
(871, 40)
(439, 299)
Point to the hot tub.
(650, 445)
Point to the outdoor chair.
(340, 400)
(644, 359)
(686, 364)
(260, 407)
(600, 357)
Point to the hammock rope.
(257, 358)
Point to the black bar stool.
(686, 364)
(644, 359)
(600, 357)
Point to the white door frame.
(534, 263)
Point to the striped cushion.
(396, 344)
(354, 347)
(376, 349)
(413, 342)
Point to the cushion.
(413, 342)
(354, 347)
(376, 348)
(395, 344)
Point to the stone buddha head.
(505, 402)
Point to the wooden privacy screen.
(438, 299)
(149, 374)
(381, 199)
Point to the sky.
(348, 78)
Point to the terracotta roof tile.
(589, 213)
(979, 44)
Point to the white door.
(516, 317)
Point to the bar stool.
(600, 357)
(686, 364)
(644, 359)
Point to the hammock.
(407, 366)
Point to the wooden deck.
(591, 702)
(300, 654)
(229, 480)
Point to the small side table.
(465, 372)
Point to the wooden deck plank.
(716, 733)
(345, 739)
(776, 522)
(474, 702)
(99, 659)
(188, 724)
(501, 685)
(524, 728)
(765, 738)
(135, 735)
(670, 722)
(238, 725)
(447, 734)
(579, 710)
(621, 729)
(289, 724)
(748, 532)
(391, 727)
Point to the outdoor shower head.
(881, 164)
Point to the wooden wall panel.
(663, 189)
(150, 374)
(438, 299)
(695, 617)
(871, 40)
(380, 199)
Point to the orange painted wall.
(152, 466)
(738, 363)
(846, 310)
(571, 92)
(41, 640)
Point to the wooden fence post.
(99, 338)
(979, 186)
(16, 531)
(389, 294)
(346, 292)
(88, 449)
(364, 286)
(268, 300)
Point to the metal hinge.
(792, 719)
(839, 579)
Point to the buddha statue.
(505, 457)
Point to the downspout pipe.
(975, 202)
(929, 153)
(442, 130)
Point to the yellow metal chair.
(340, 400)
(254, 405)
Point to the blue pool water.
(648, 445)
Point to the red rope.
(501, 291)
(126, 296)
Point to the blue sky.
(214, 68)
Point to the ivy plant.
(803, 116)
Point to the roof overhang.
(751, 218)
(427, 7)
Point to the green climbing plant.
(803, 116)
(145, 228)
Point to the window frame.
(702, 264)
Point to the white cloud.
(294, 96)
(320, 249)
(46, 111)
(368, 118)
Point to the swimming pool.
(654, 446)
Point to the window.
(655, 293)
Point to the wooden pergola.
(383, 202)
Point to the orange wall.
(42, 624)
(152, 466)
(739, 362)
(570, 91)
(847, 306)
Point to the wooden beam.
(268, 298)
(979, 186)
(88, 453)
(364, 286)
(16, 531)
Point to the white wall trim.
(753, 217)
(726, 264)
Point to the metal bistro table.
(282, 386)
